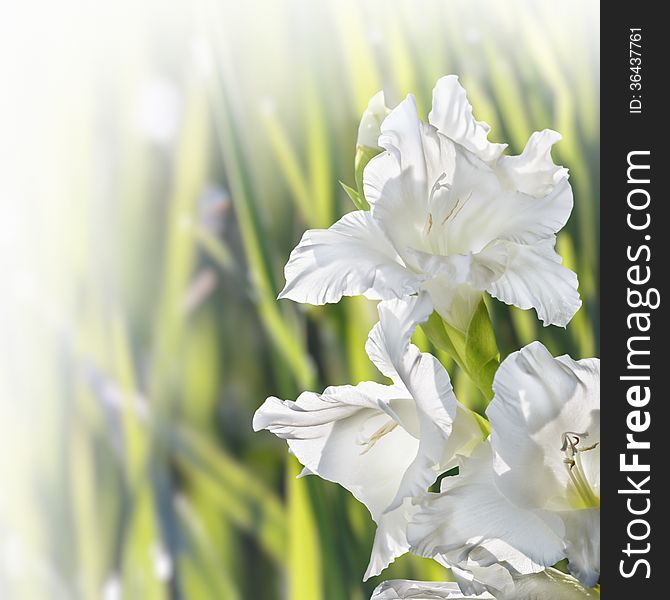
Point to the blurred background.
(158, 162)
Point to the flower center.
(368, 444)
(438, 242)
(573, 463)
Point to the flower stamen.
(456, 209)
(378, 435)
(570, 447)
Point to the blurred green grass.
(169, 259)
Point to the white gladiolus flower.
(531, 496)
(550, 584)
(545, 421)
(449, 215)
(384, 443)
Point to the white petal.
(390, 539)
(334, 436)
(425, 379)
(452, 115)
(403, 183)
(420, 373)
(354, 257)
(533, 277)
(528, 219)
(389, 340)
(396, 210)
(369, 127)
(533, 171)
(471, 522)
(416, 148)
(537, 399)
(583, 540)
(402, 589)
(480, 210)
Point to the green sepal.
(481, 350)
(484, 378)
(359, 202)
(483, 423)
(474, 351)
(445, 338)
(364, 154)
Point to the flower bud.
(374, 114)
